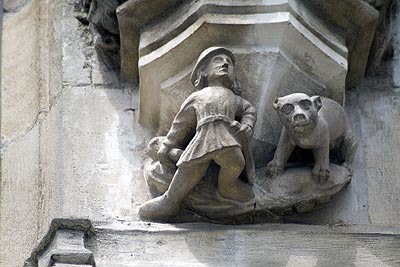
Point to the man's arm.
(247, 116)
(183, 125)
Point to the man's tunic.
(213, 114)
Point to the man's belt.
(213, 118)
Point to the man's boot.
(167, 206)
(159, 208)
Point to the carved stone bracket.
(281, 46)
(64, 243)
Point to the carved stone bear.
(315, 123)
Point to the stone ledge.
(142, 227)
(123, 243)
(202, 244)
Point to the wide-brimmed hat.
(203, 59)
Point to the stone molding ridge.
(356, 32)
(63, 243)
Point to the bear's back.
(335, 117)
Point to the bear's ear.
(317, 102)
(277, 103)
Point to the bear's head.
(298, 112)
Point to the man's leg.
(167, 205)
(231, 162)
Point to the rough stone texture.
(13, 5)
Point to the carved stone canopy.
(136, 17)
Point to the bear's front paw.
(320, 173)
(274, 168)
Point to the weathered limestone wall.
(20, 168)
(93, 146)
(374, 106)
(71, 146)
(31, 72)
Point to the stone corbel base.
(64, 243)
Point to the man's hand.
(244, 134)
(163, 157)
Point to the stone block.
(20, 72)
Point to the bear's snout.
(299, 118)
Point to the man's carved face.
(220, 67)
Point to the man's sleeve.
(183, 126)
(247, 113)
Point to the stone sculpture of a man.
(218, 124)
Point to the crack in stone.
(13, 140)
